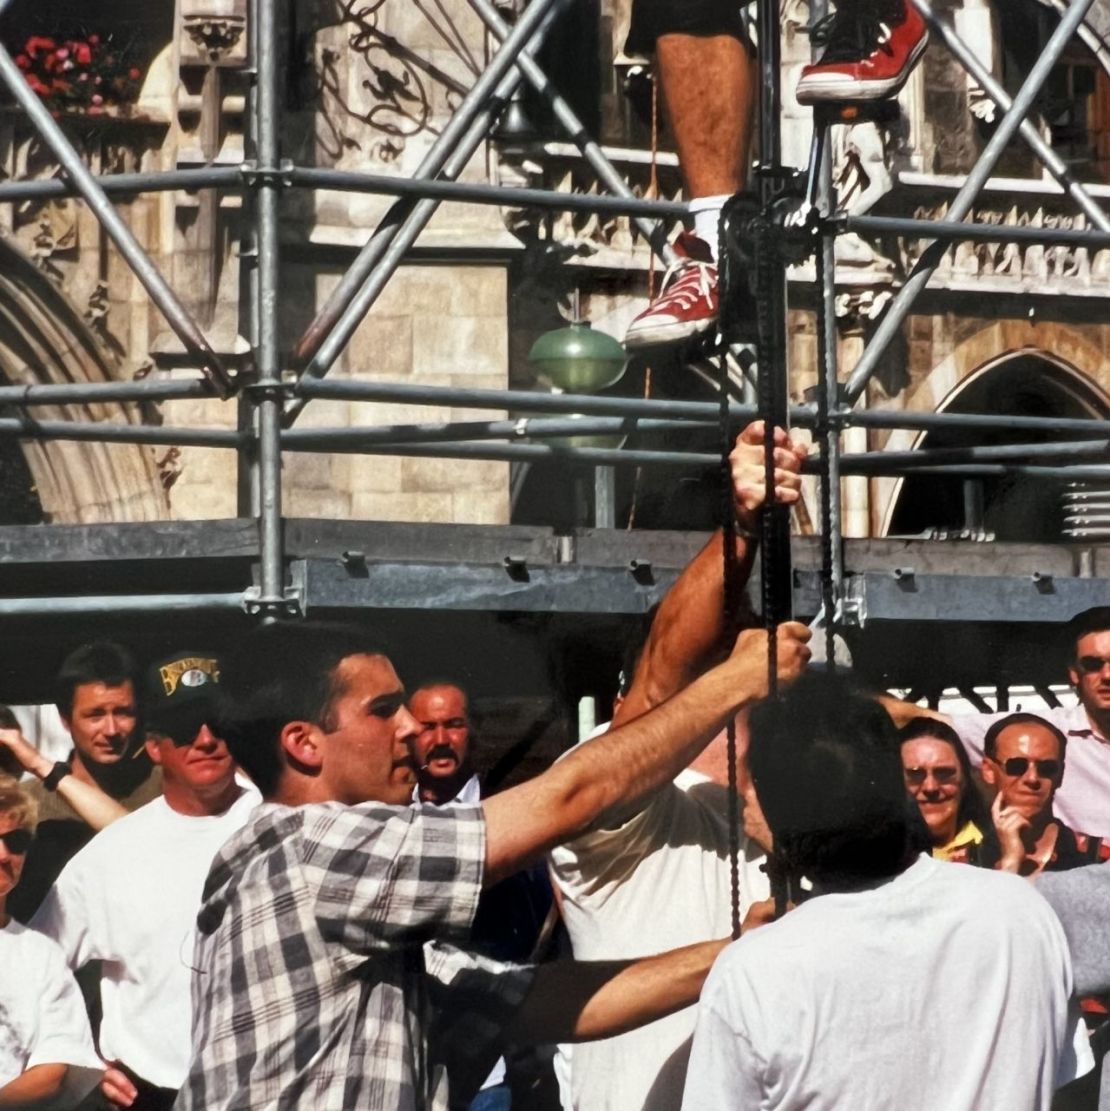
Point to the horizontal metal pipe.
(978, 233)
(995, 453)
(78, 393)
(109, 605)
(472, 193)
(522, 428)
(533, 453)
(151, 181)
(103, 432)
(927, 422)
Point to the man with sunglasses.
(1023, 759)
(130, 897)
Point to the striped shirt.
(325, 974)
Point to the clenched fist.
(749, 656)
(749, 489)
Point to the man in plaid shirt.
(325, 972)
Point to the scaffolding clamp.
(253, 175)
(851, 607)
(284, 607)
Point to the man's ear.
(989, 772)
(153, 751)
(300, 741)
(1073, 677)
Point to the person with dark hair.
(938, 775)
(326, 970)
(129, 898)
(848, 1000)
(678, 840)
(1023, 759)
(96, 699)
(1082, 800)
(444, 769)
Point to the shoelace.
(691, 282)
(852, 34)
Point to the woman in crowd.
(47, 1058)
(939, 777)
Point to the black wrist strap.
(56, 774)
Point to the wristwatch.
(56, 774)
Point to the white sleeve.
(62, 1034)
(1076, 1056)
(66, 916)
(724, 1071)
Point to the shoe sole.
(833, 91)
(662, 335)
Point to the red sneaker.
(871, 47)
(687, 301)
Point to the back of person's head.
(101, 661)
(277, 674)
(9, 765)
(990, 738)
(17, 805)
(827, 770)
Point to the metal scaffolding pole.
(368, 275)
(973, 233)
(391, 185)
(964, 199)
(177, 316)
(606, 172)
(113, 185)
(267, 393)
(112, 605)
(1051, 160)
(89, 393)
(102, 432)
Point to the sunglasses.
(1018, 765)
(943, 775)
(1091, 665)
(17, 841)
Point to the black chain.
(826, 433)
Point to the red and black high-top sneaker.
(871, 47)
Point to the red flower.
(36, 85)
(83, 54)
(134, 73)
(94, 110)
(97, 99)
(39, 42)
(94, 40)
(23, 61)
(61, 53)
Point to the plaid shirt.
(323, 975)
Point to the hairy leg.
(709, 87)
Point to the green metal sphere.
(576, 359)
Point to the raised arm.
(92, 805)
(690, 632)
(627, 763)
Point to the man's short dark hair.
(827, 768)
(990, 738)
(101, 661)
(1093, 620)
(277, 674)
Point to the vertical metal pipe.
(337, 320)
(605, 497)
(268, 192)
(177, 316)
(965, 198)
(246, 459)
(606, 172)
(1052, 161)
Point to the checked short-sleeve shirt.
(324, 962)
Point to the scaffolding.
(791, 216)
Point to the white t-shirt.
(130, 899)
(42, 1014)
(659, 881)
(946, 987)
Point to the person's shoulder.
(32, 950)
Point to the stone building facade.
(369, 86)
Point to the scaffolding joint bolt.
(642, 571)
(517, 567)
(1043, 582)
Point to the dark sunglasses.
(1091, 665)
(1018, 765)
(17, 841)
(916, 776)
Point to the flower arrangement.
(83, 75)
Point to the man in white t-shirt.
(46, 1051)
(131, 896)
(894, 984)
(676, 848)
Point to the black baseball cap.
(181, 695)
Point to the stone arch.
(1081, 366)
(44, 339)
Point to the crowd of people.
(274, 880)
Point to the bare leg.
(708, 83)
